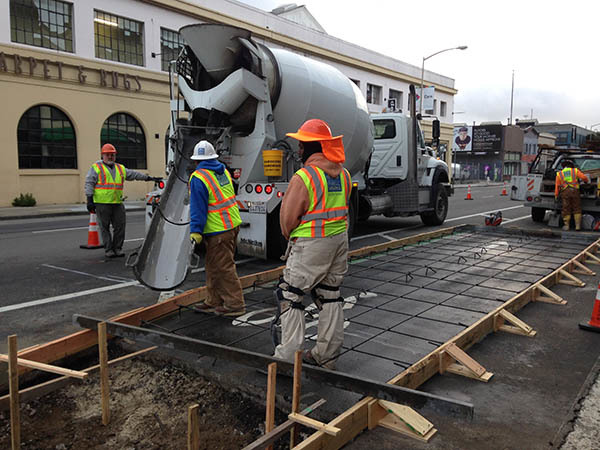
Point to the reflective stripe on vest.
(328, 203)
(108, 190)
(223, 213)
(568, 178)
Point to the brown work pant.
(571, 202)
(222, 282)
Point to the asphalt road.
(46, 277)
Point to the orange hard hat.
(318, 130)
(108, 148)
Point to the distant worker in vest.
(104, 191)
(215, 220)
(566, 187)
(314, 219)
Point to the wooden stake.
(270, 419)
(551, 296)
(518, 327)
(193, 436)
(467, 366)
(294, 432)
(15, 412)
(312, 423)
(594, 258)
(574, 281)
(399, 418)
(583, 270)
(104, 386)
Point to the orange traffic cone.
(468, 197)
(93, 239)
(504, 189)
(594, 323)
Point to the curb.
(59, 214)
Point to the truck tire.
(537, 214)
(440, 207)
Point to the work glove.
(90, 205)
(196, 239)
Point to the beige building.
(74, 75)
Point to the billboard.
(480, 139)
(463, 138)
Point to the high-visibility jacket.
(327, 214)
(107, 189)
(568, 178)
(223, 213)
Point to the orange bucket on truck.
(272, 163)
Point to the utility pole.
(512, 91)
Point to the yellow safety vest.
(327, 213)
(223, 213)
(568, 178)
(108, 190)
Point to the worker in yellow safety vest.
(566, 187)
(104, 192)
(314, 219)
(215, 220)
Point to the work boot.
(577, 218)
(118, 253)
(230, 312)
(203, 307)
(567, 221)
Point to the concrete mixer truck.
(243, 97)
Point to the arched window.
(126, 134)
(46, 139)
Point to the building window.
(397, 98)
(126, 134)
(46, 139)
(118, 39)
(443, 108)
(171, 44)
(373, 94)
(43, 23)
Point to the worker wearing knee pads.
(314, 219)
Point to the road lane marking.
(59, 229)
(132, 240)
(64, 269)
(517, 218)
(73, 295)
(482, 213)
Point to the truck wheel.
(440, 211)
(537, 214)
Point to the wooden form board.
(354, 420)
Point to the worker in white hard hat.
(314, 219)
(215, 220)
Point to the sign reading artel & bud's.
(57, 70)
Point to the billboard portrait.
(463, 139)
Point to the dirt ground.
(148, 404)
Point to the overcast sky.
(552, 47)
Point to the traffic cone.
(93, 239)
(468, 197)
(594, 323)
(504, 190)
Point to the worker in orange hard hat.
(314, 219)
(104, 193)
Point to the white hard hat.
(204, 150)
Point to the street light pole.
(425, 58)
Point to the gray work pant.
(312, 261)
(111, 214)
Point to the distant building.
(568, 135)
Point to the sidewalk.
(75, 209)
